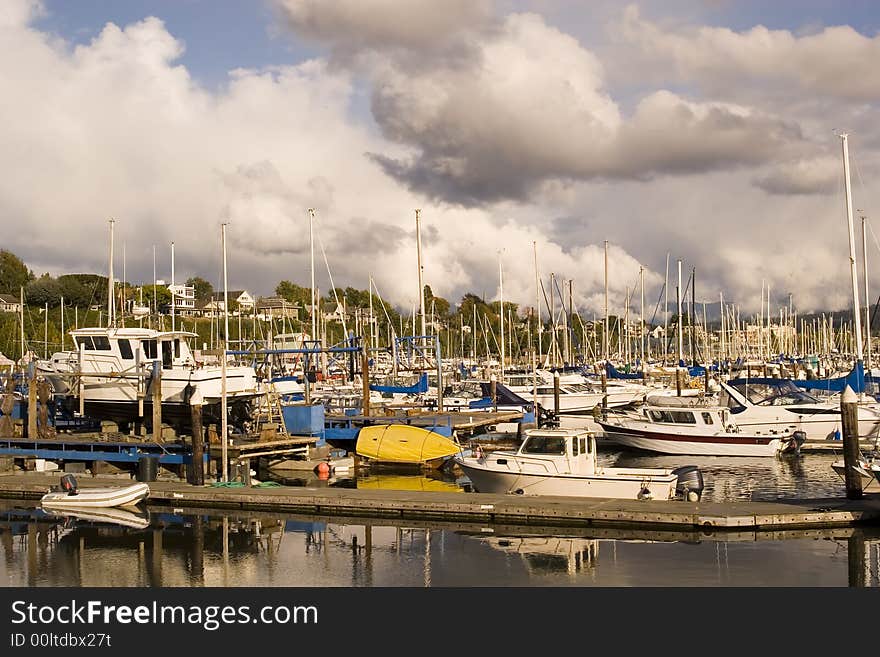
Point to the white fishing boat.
(71, 496)
(564, 462)
(695, 430)
(119, 367)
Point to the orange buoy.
(323, 470)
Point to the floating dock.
(488, 509)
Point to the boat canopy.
(421, 386)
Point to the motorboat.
(564, 462)
(71, 496)
(867, 467)
(696, 430)
(767, 404)
(116, 369)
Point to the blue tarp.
(855, 380)
(613, 373)
(420, 387)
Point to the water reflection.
(196, 547)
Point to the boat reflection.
(549, 554)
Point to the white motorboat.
(563, 462)
(119, 369)
(71, 496)
(868, 469)
(695, 430)
(779, 404)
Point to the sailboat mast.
(538, 326)
(605, 333)
(867, 298)
(173, 291)
(110, 300)
(678, 293)
(642, 318)
(312, 251)
(501, 297)
(421, 272)
(223, 412)
(852, 251)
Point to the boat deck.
(489, 509)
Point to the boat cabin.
(712, 419)
(570, 450)
(127, 347)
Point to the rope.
(227, 484)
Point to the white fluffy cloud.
(504, 130)
(835, 60)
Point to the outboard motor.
(68, 484)
(690, 483)
(799, 437)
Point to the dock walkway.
(487, 508)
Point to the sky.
(528, 133)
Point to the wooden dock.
(488, 509)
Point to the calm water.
(168, 547)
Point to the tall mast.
(155, 300)
(538, 326)
(867, 298)
(666, 312)
(421, 273)
(110, 300)
(642, 318)
(224, 439)
(173, 292)
(678, 293)
(312, 250)
(605, 332)
(852, 251)
(21, 317)
(501, 297)
(693, 314)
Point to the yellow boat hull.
(402, 443)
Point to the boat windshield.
(781, 393)
(544, 445)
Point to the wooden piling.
(678, 381)
(157, 401)
(33, 431)
(556, 393)
(198, 443)
(493, 387)
(851, 453)
(604, 394)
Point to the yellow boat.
(404, 444)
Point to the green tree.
(294, 293)
(14, 274)
(202, 288)
(43, 290)
(73, 290)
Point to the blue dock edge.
(56, 449)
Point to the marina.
(502, 295)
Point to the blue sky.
(220, 35)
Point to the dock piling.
(157, 401)
(851, 453)
(198, 442)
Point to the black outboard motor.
(690, 483)
(68, 484)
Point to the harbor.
(439, 295)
